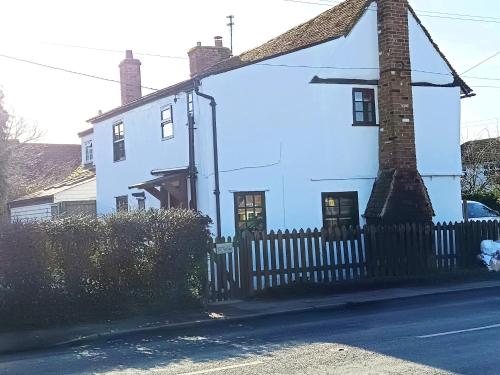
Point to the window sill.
(167, 138)
(119, 160)
(365, 124)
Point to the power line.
(67, 70)
(482, 62)
(116, 51)
(443, 15)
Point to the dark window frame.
(141, 204)
(339, 195)
(248, 208)
(121, 203)
(119, 142)
(167, 121)
(364, 92)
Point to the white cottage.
(349, 117)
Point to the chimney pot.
(202, 58)
(129, 54)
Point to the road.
(452, 334)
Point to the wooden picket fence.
(269, 260)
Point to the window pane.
(370, 116)
(249, 200)
(166, 114)
(332, 211)
(167, 130)
(367, 95)
(331, 202)
(241, 200)
(360, 117)
(346, 201)
(358, 96)
(358, 106)
(258, 200)
(346, 210)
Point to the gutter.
(213, 104)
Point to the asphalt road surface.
(452, 334)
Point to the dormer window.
(363, 102)
(167, 124)
(118, 142)
(89, 154)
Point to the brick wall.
(203, 57)
(130, 78)
(399, 194)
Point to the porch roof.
(166, 175)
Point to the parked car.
(477, 211)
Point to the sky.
(60, 103)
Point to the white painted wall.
(144, 148)
(84, 140)
(33, 212)
(294, 140)
(81, 192)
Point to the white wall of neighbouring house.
(144, 148)
(32, 212)
(84, 191)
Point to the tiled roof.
(333, 23)
(78, 176)
(35, 166)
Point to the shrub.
(51, 271)
(489, 198)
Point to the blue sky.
(60, 103)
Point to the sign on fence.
(224, 248)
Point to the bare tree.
(15, 132)
(481, 163)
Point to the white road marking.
(222, 368)
(460, 331)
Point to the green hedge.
(62, 270)
(489, 198)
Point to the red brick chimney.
(204, 57)
(130, 78)
(399, 194)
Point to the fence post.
(246, 269)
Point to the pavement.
(450, 333)
(218, 313)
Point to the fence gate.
(227, 265)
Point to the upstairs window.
(89, 154)
(167, 123)
(250, 211)
(122, 203)
(363, 102)
(118, 142)
(340, 209)
(190, 103)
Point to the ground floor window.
(340, 209)
(250, 211)
(122, 203)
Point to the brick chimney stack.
(130, 78)
(399, 194)
(204, 57)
